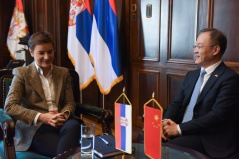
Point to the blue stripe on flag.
(107, 25)
(123, 128)
(83, 29)
(123, 138)
(100, 13)
(122, 110)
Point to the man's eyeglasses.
(199, 46)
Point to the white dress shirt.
(48, 88)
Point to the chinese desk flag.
(123, 127)
(104, 48)
(78, 43)
(18, 29)
(152, 132)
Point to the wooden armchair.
(7, 125)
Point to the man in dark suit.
(203, 114)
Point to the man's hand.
(52, 118)
(169, 129)
(162, 135)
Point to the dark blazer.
(26, 98)
(215, 113)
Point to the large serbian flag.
(123, 127)
(78, 44)
(152, 132)
(18, 29)
(104, 48)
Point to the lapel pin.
(216, 75)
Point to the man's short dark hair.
(40, 38)
(217, 38)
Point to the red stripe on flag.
(19, 5)
(117, 126)
(152, 132)
(112, 4)
(87, 3)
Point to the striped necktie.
(189, 112)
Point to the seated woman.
(42, 103)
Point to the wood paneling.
(148, 84)
(225, 18)
(174, 83)
(203, 14)
(61, 30)
(183, 29)
(6, 10)
(150, 31)
(144, 82)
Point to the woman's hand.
(52, 118)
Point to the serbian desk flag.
(78, 43)
(123, 127)
(18, 29)
(104, 48)
(152, 132)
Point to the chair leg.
(9, 133)
(140, 137)
(107, 119)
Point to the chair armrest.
(4, 117)
(106, 116)
(8, 129)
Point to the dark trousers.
(50, 141)
(189, 141)
(195, 143)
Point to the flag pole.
(81, 96)
(153, 98)
(103, 101)
(123, 96)
(123, 91)
(81, 116)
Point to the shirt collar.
(41, 71)
(211, 68)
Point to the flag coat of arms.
(104, 48)
(78, 43)
(152, 132)
(123, 127)
(18, 29)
